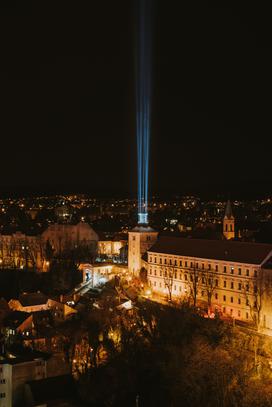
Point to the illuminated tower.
(140, 239)
(228, 223)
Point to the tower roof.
(228, 211)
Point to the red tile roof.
(225, 250)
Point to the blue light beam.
(143, 105)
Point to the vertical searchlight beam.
(143, 104)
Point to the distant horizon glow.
(143, 105)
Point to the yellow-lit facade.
(140, 239)
(233, 283)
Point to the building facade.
(68, 237)
(22, 251)
(140, 239)
(14, 373)
(233, 278)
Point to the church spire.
(229, 223)
(228, 211)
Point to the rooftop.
(52, 389)
(15, 319)
(226, 250)
(29, 299)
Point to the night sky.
(68, 102)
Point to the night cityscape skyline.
(135, 205)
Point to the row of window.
(216, 296)
(2, 395)
(208, 281)
(239, 313)
(203, 294)
(196, 266)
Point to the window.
(225, 284)
(170, 262)
(231, 285)
(160, 260)
(160, 273)
(150, 259)
(2, 395)
(160, 285)
(175, 275)
(175, 262)
(155, 260)
(2, 381)
(186, 264)
(231, 299)
(255, 289)
(246, 315)
(197, 265)
(216, 283)
(180, 288)
(224, 298)
(180, 263)
(202, 293)
(247, 287)
(133, 237)
(203, 280)
(180, 276)
(224, 310)
(240, 286)
(247, 273)
(239, 271)
(225, 269)
(247, 302)
(255, 273)
(216, 296)
(191, 264)
(155, 283)
(191, 278)
(175, 288)
(150, 271)
(232, 270)
(209, 266)
(202, 266)
(165, 261)
(239, 300)
(185, 275)
(216, 267)
(155, 272)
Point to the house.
(37, 301)
(52, 391)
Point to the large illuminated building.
(229, 277)
(19, 250)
